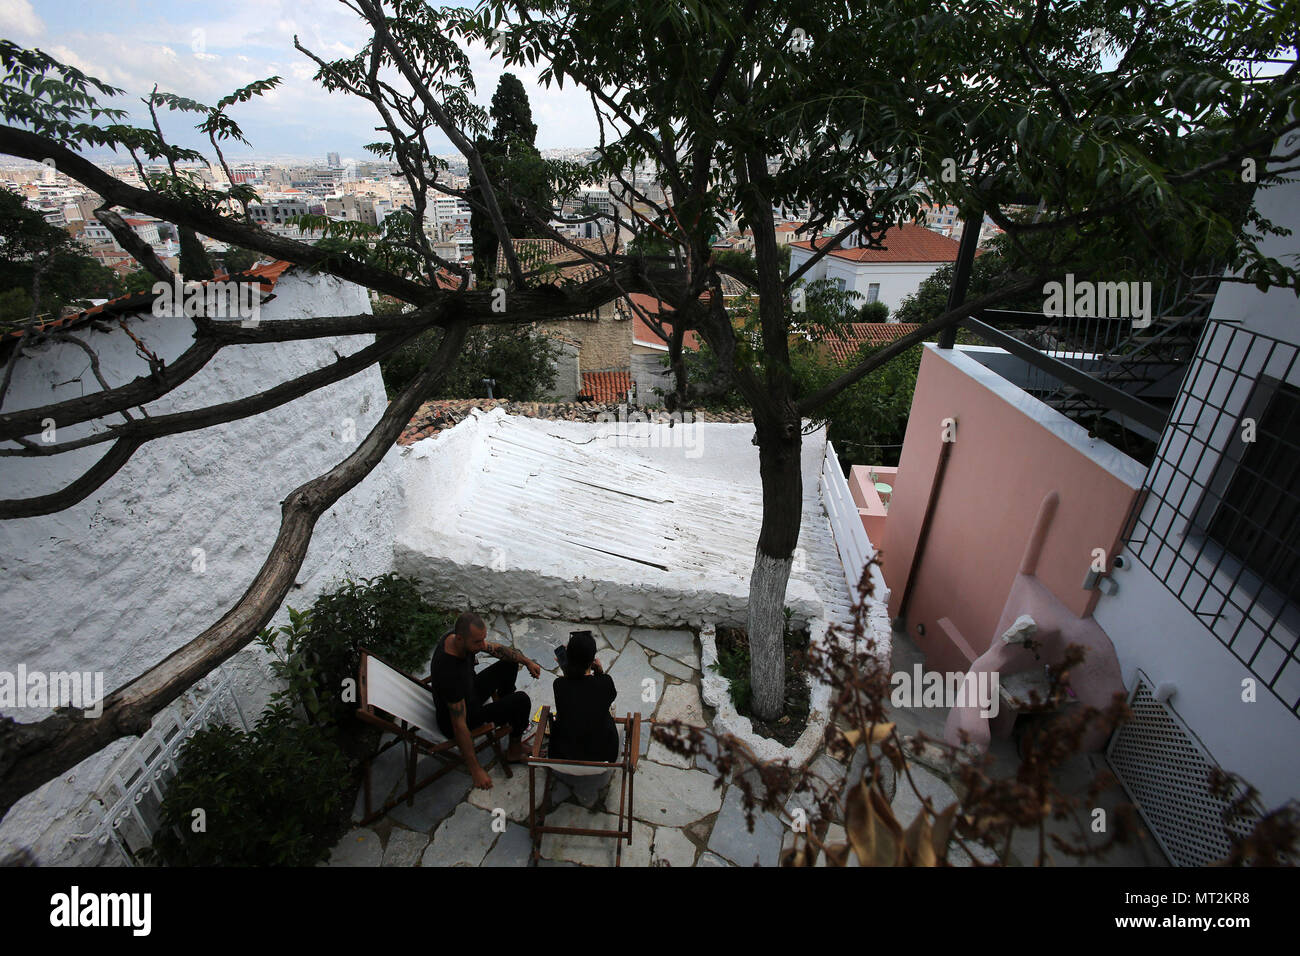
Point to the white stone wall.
(112, 584)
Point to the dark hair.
(580, 653)
(468, 623)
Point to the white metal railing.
(130, 796)
(851, 539)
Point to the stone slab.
(661, 754)
(676, 644)
(732, 840)
(404, 847)
(509, 794)
(512, 848)
(673, 667)
(463, 839)
(387, 771)
(359, 847)
(616, 634)
(629, 672)
(667, 796)
(658, 846)
(583, 850)
(681, 702)
(433, 803)
(538, 637)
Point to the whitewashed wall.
(1150, 628)
(110, 585)
(897, 280)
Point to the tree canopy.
(1114, 119)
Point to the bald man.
(464, 700)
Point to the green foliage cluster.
(518, 358)
(278, 795)
(322, 647)
(266, 796)
(867, 420)
(29, 246)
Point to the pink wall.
(871, 508)
(1009, 453)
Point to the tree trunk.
(779, 459)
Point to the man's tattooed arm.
(503, 653)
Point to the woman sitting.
(583, 728)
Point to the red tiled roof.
(535, 253)
(268, 274)
(607, 387)
(906, 243)
(845, 346)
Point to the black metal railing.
(1219, 524)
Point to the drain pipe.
(924, 535)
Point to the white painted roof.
(600, 502)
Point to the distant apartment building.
(332, 160)
(353, 208)
(278, 212)
(942, 219)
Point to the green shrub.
(521, 361)
(279, 794)
(264, 794)
(873, 312)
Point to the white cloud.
(18, 19)
(253, 39)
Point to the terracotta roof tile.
(906, 243)
(844, 347)
(535, 253)
(607, 387)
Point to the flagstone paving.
(682, 817)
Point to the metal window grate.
(1165, 771)
(1218, 526)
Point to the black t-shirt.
(453, 680)
(583, 728)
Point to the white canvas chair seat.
(402, 705)
(402, 696)
(560, 766)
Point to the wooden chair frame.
(626, 764)
(446, 752)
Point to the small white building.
(911, 253)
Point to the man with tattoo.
(465, 700)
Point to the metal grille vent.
(1165, 771)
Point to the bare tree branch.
(31, 754)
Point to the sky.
(204, 50)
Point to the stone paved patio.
(680, 819)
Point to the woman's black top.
(583, 728)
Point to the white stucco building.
(911, 253)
